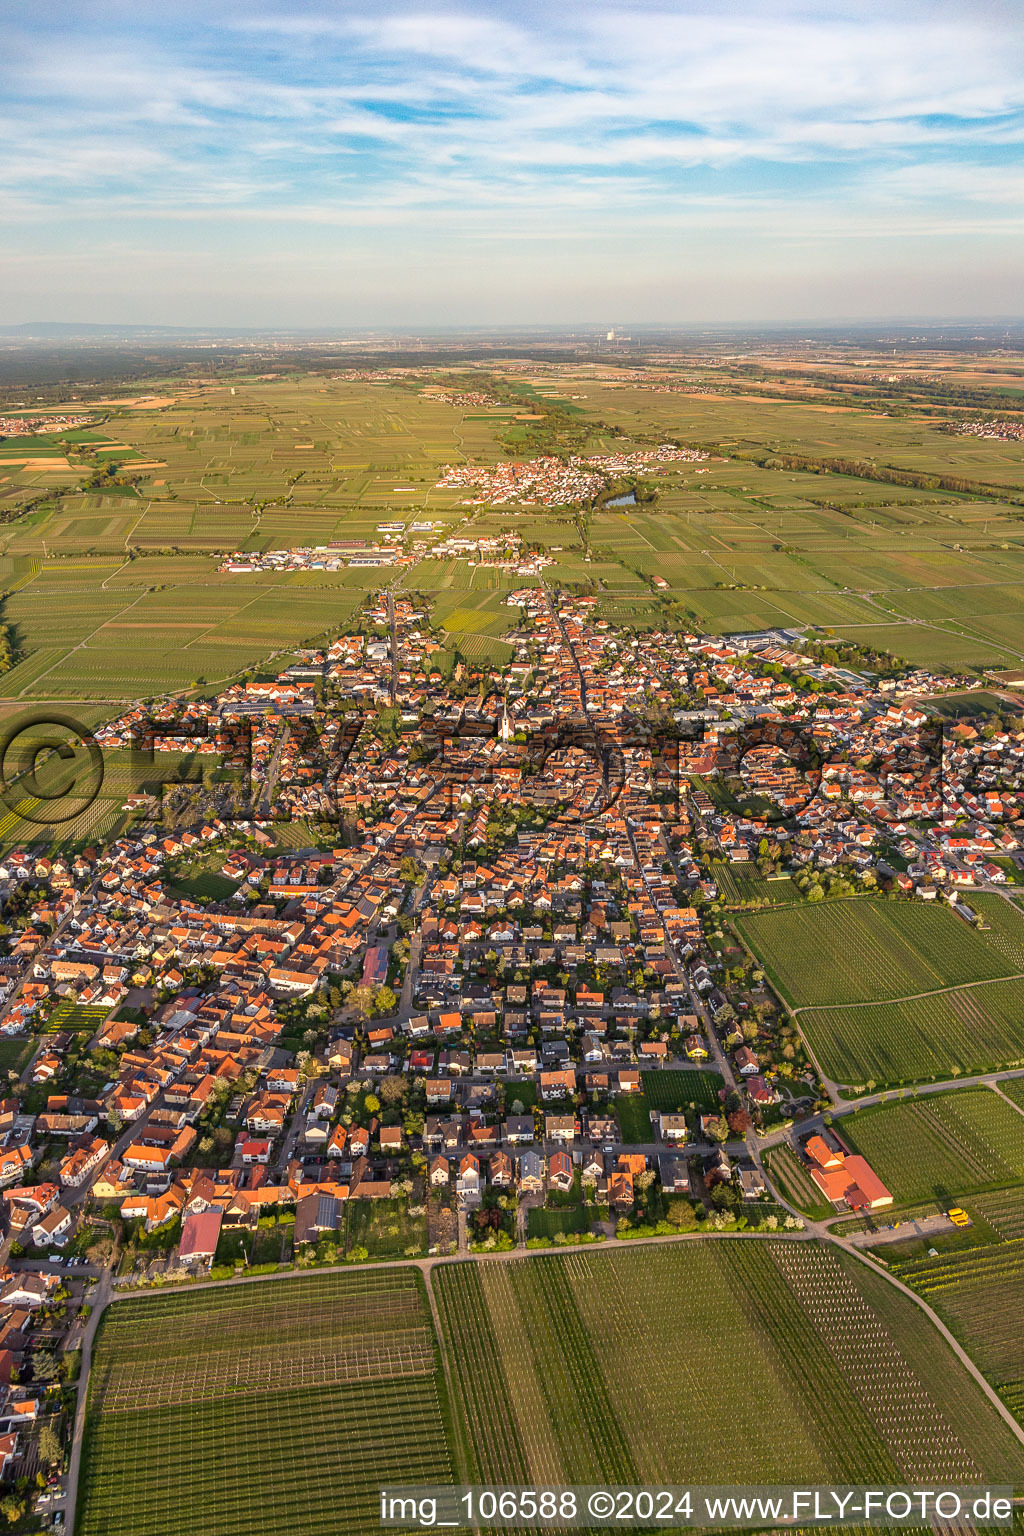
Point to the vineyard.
(795, 1184)
(592, 1365)
(739, 883)
(886, 991)
(673, 1091)
(964, 1030)
(980, 1296)
(875, 951)
(940, 1146)
(204, 1410)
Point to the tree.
(681, 1213)
(50, 1448)
(372, 1103)
(44, 1368)
(393, 1090)
(385, 1002)
(739, 1122)
(12, 1508)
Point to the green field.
(940, 1145)
(548, 1221)
(980, 1296)
(634, 1116)
(75, 1016)
(14, 1053)
(670, 1090)
(230, 1389)
(738, 883)
(113, 590)
(794, 1183)
(571, 1370)
(885, 990)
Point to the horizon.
(499, 167)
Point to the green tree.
(50, 1448)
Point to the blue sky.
(330, 163)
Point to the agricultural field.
(15, 1053)
(794, 1183)
(980, 1295)
(940, 1146)
(76, 1017)
(225, 1391)
(889, 991)
(563, 1377)
(672, 1091)
(112, 584)
(738, 883)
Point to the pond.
(623, 501)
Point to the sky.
(329, 163)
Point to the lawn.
(14, 1053)
(569, 1369)
(231, 1388)
(634, 1116)
(547, 1221)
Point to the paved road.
(99, 1305)
(895, 1095)
(104, 1298)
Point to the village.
(488, 1005)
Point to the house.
(846, 1178)
(200, 1233)
(53, 1229)
(28, 1290)
(439, 1171)
(560, 1128)
(316, 1213)
(672, 1127)
(558, 1085)
(499, 1170)
(391, 1139)
(531, 1173)
(752, 1183)
(747, 1063)
(602, 1128)
(85, 1154)
(760, 1092)
(560, 1171)
(518, 1129)
(469, 1177)
(675, 1174)
(620, 1190)
(629, 1081)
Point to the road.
(265, 808)
(104, 1298)
(896, 1095)
(99, 1305)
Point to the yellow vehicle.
(958, 1217)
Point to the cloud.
(529, 123)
